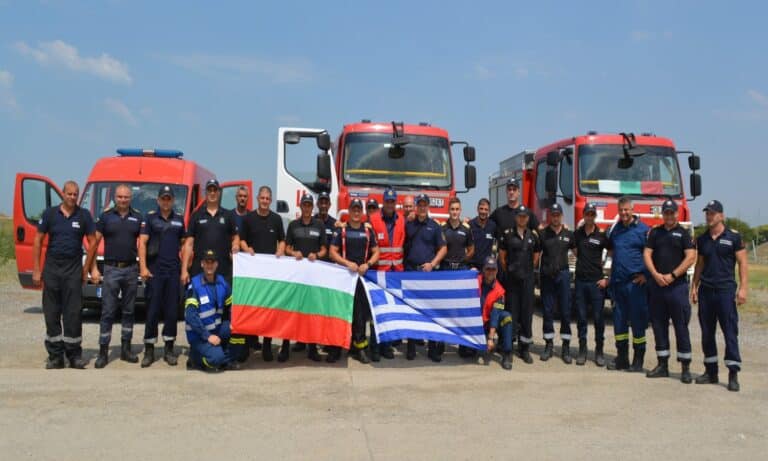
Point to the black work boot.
(599, 356)
(285, 352)
(410, 353)
(685, 376)
(299, 347)
(566, 352)
(637, 361)
(506, 360)
(374, 351)
(433, 352)
(103, 358)
(387, 351)
(168, 355)
(708, 377)
(126, 354)
(334, 353)
(77, 363)
(622, 358)
(361, 355)
(149, 355)
(661, 370)
(55, 363)
(733, 381)
(581, 359)
(312, 353)
(266, 350)
(547, 354)
(525, 353)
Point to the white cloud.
(758, 98)
(482, 72)
(122, 111)
(7, 99)
(6, 79)
(295, 70)
(59, 53)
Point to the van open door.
(229, 192)
(33, 195)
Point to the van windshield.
(98, 196)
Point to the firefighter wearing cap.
(498, 322)
(425, 248)
(669, 252)
(328, 221)
(355, 247)
(519, 252)
(305, 238)
(483, 234)
(119, 226)
(389, 227)
(371, 208)
(263, 233)
(62, 277)
(626, 243)
(556, 241)
(505, 216)
(716, 291)
(208, 296)
(162, 233)
(590, 283)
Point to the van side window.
(541, 180)
(37, 196)
(301, 162)
(566, 178)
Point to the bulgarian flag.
(283, 298)
(610, 186)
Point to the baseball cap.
(490, 263)
(372, 203)
(209, 255)
(323, 195)
(668, 205)
(356, 202)
(165, 191)
(306, 198)
(422, 198)
(390, 194)
(714, 206)
(590, 208)
(521, 210)
(556, 208)
(212, 183)
(513, 182)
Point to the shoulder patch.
(368, 226)
(152, 212)
(465, 225)
(535, 232)
(734, 231)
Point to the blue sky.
(78, 79)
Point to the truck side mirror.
(470, 176)
(282, 206)
(550, 183)
(553, 158)
(694, 162)
(469, 153)
(292, 138)
(695, 185)
(323, 166)
(324, 141)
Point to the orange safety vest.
(494, 296)
(391, 253)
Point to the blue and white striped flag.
(436, 306)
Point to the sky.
(216, 80)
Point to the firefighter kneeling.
(208, 335)
(495, 318)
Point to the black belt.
(120, 264)
(456, 266)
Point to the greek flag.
(436, 306)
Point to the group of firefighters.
(647, 279)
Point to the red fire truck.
(366, 158)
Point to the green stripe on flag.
(631, 187)
(292, 297)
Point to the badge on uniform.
(221, 220)
(380, 236)
(204, 299)
(75, 225)
(203, 221)
(131, 218)
(489, 236)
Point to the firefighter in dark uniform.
(162, 234)
(483, 234)
(120, 227)
(63, 276)
(519, 252)
(460, 248)
(505, 216)
(241, 210)
(496, 320)
(328, 221)
(590, 283)
(669, 252)
(263, 233)
(425, 249)
(716, 291)
(355, 247)
(305, 238)
(556, 241)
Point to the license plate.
(98, 292)
(436, 202)
(656, 210)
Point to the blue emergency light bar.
(138, 152)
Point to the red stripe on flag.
(275, 323)
(651, 187)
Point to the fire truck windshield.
(98, 196)
(425, 163)
(654, 173)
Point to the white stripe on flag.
(440, 284)
(461, 303)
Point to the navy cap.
(323, 195)
(556, 208)
(490, 263)
(390, 194)
(714, 206)
(590, 208)
(356, 202)
(668, 205)
(372, 203)
(212, 182)
(306, 198)
(521, 210)
(209, 255)
(165, 191)
(422, 198)
(513, 182)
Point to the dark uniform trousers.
(118, 295)
(557, 291)
(630, 307)
(589, 296)
(719, 305)
(163, 292)
(360, 315)
(665, 304)
(62, 303)
(519, 303)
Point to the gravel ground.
(392, 410)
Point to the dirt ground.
(391, 410)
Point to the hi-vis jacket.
(204, 307)
(391, 250)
